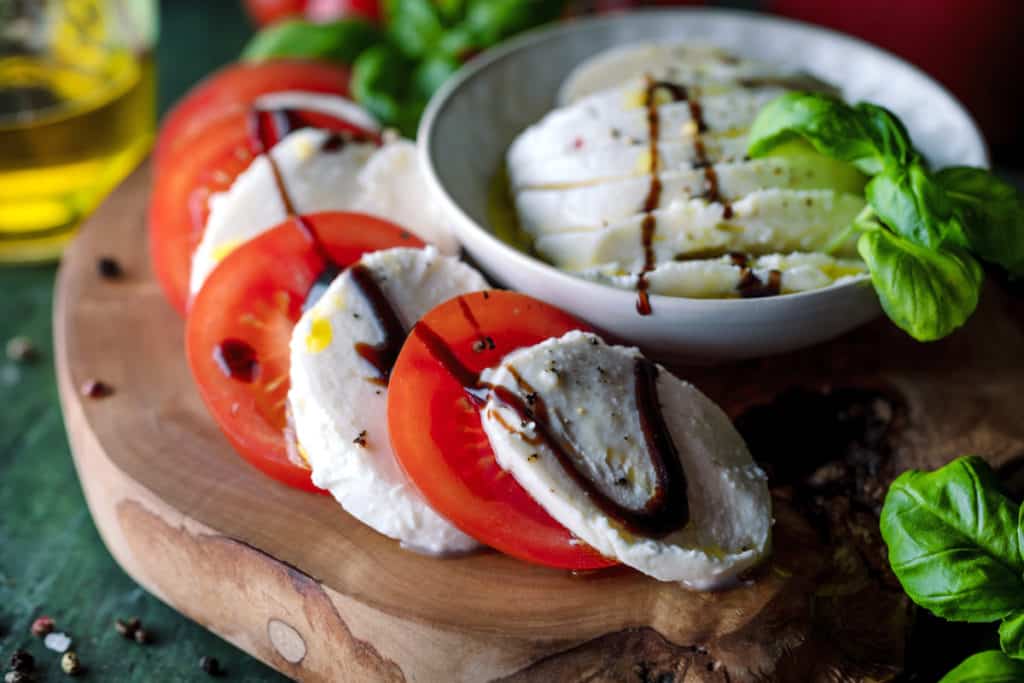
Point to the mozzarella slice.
(681, 63)
(723, 277)
(384, 182)
(590, 389)
(339, 408)
(620, 113)
(331, 105)
(543, 211)
(620, 159)
(762, 222)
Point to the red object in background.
(973, 47)
(328, 10)
(265, 12)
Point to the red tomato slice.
(233, 89)
(242, 321)
(437, 436)
(178, 206)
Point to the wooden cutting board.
(290, 578)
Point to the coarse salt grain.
(58, 642)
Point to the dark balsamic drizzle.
(237, 359)
(381, 356)
(653, 199)
(668, 508)
(752, 287)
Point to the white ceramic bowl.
(474, 118)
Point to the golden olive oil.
(70, 130)
(501, 212)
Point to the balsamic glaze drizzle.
(237, 359)
(381, 356)
(668, 508)
(712, 193)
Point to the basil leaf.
(380, 82)
(928, 294)
(987, 667)
(1011, 635)
(430, 74)
(868, 137)
(491, 21)
(913, 205)
(414, 25)
(991, 212)
(337, 41)
(952, 538)
(889, 133)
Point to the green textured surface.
(52, 560)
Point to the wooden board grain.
(293, 580)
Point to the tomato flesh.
(231, 92)
(438, 438)
(248, 307)
(179, 204)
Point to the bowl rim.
(482, 63)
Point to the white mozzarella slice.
(543, 211)
(590, 389)
(679, 63)
(384, 182)
(316, 181)
(762, 222)
(721, 277)
(339, 408)
(332, 105)
(620, 113)
(391, 186)
(622, 158)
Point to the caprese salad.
(343, 347)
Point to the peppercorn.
(42, 626)
(109, 268)
(21, 350)
(70, 664)
(210, 665)
(94, 388)
(142, 636)
(127, 628)
(22, 661)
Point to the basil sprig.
(337, 41)
(922, 231)
(396, 70)
(955, 544)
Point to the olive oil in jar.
(75, 118)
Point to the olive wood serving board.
(291, 579)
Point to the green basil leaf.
(926, 293)
(1011, 635)
(868, 137)
(987, 667)
(889, 133)
(380, 81)
(337, 41)
(913, 205)
(991, 212)
(431, 73)
(491, 21)
(952, 539)
(414, 25)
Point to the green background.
(52, 560)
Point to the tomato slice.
(438, 438)
(241, 322)
(178, 206)
(230, 92)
